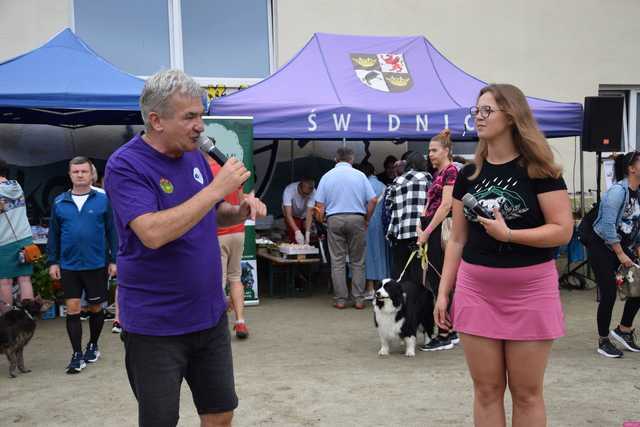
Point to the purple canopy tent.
(362, 87)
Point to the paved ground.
(307, 364)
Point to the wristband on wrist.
(508, 235)
(429, 229)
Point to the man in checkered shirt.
(405, 200)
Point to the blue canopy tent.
(65, 83)
(363, 87)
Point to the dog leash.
(413, 254)
(425, 260)
(25, 311)
(421, 252)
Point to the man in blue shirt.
(81, 250)
(347, 199)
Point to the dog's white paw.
(383, 352)
(410, 346)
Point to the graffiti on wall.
(220, 90)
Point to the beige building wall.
(27, 24)
(561, 50)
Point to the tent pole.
(581, 180)
(598, 174)
(73, 144)
(292, 167)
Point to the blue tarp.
(65, 83)
(364, 87)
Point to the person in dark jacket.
(389, 173)
(82, 249)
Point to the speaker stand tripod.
(574, 278)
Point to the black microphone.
(472, 204)
(208, 146)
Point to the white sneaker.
(116, 328)
(368, 296)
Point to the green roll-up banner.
(234, 137)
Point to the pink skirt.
(518, 304)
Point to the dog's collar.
(16, 308)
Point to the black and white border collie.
(400, 311)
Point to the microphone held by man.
(250, 205)
(208, 146)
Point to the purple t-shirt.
(175, 289)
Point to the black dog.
(16, 329)
(401, 310)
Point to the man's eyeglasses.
(484, 111)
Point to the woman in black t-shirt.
(506, 306)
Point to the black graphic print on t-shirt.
(630, 221)
(508, 188)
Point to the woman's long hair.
(536, 153)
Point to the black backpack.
(585, 231)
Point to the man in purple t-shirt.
(167, 206)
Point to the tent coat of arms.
(386, 72)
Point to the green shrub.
(41, 281)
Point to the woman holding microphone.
(506, 305)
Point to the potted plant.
(44, 288)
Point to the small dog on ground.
(401, 310)
(16, 330)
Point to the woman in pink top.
(439, 199)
